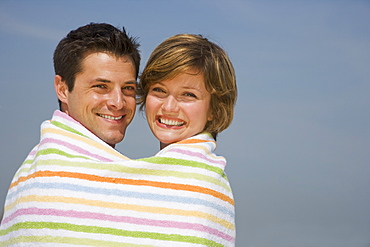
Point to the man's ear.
(61, 89)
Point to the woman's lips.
(170, 122)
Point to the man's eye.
(100, 86)
(130, 88)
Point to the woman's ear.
(61, 89)
(210, 115)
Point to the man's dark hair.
(94, 37)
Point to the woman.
(188, 90)
(207, 69)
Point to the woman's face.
(178, 108)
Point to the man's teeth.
(110, 117)
(171, 122)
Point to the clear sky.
(298, 148)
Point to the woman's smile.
(170, 122)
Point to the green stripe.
(190, 163)
(68, 240)
(48, 151)
(175, 161)
(67, 128)
(131, 170)
(59, 152)
(108, 231)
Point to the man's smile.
(110, 117)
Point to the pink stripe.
(199, 155)
(123, 219)
(75, 148)
(66, 117)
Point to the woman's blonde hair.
(184, 52)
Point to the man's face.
(103, 97)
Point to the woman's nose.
(170, 104)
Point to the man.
(96, 69)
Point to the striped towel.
(75, 190)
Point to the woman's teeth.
(171, 122)
(110, 117)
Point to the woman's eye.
(157, 89)
(190, 95)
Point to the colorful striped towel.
(75, 190)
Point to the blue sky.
(298, 148)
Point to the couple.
(75, 189)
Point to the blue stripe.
(120, 193)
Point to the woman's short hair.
(184, 52)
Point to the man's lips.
(170, 122)
(110, 117)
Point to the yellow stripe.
(122, 206)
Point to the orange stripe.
(96, 178)
(192, 141)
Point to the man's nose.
(116, 99)
(170, 104)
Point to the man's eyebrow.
(131, 82)
(109, 81)
(103, 80)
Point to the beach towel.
(75, 190)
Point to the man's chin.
(114, 139)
